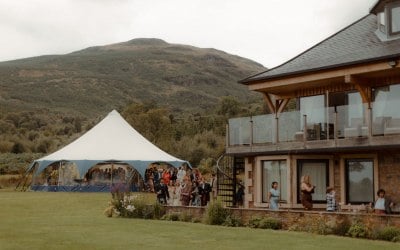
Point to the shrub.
(342, 228)
(176, 216)
(186, 217)
(216, 214)
(323, 226)
(232, 221)
(171, 217)
(196, 220)
(396, 239)
(358, 230)
(388, 234)
(265, 223)
(159, 210)
(254, 222)
(270, 223)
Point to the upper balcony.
(332, 128)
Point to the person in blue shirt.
(273, 196)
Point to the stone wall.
(301, 219)
(389, 174)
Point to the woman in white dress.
(176, 194)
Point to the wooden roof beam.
(281, 105)
(268, 101)
(316, 76)
(362, 87)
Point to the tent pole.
(112, 177)
(59, 174)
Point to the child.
(331, 205)
(383, 205)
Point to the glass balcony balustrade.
(340, 122)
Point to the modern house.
(334, 115)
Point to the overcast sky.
(267, 31)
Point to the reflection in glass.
(385, 99)
(386, 118)
(264, 129)
(239, 131)
(396, 19)
(314, 108)
(360, 175)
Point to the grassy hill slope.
(93, 81)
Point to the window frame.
(299, 165)
(263, 195)
(389, 20)
(347, 181)
(382, 22)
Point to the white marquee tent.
(111, 140)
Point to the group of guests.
(382, 205)
(100, 175)
(180, 187)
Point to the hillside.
(93, 81)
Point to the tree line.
(198, 138)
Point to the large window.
(385, 114)
(274, 171)
(318, 172)
(355, 108)
(386, 101)
(314, 108)
(360, 180)
(395, 20)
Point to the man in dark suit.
(162, 192)
(204, 191)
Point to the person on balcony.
(306, 192)
(273, 196)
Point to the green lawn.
(35, 220)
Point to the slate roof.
(354, 44)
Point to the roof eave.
(375, 7)
(248, 81)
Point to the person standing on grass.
(273, 196)
(166, 176)
(306, 192)
(214, 187)
(176, 195)
(162, 193)
(186, 191)
(181, 174)
(204, 191)
(240, 194)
